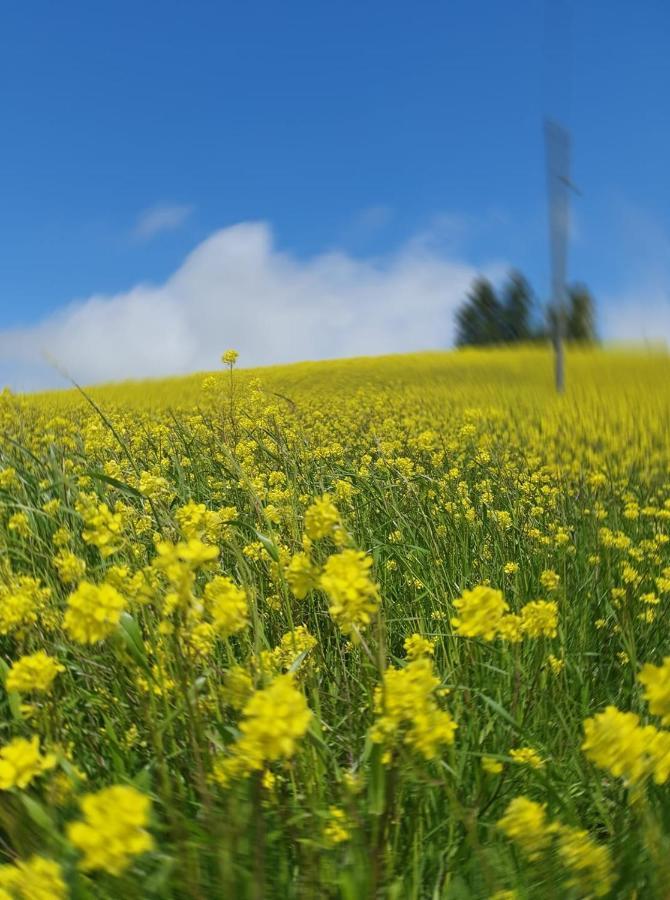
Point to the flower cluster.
(273, 721)
(483, 612)
(21, 762)
(407, 710)
(33, 673)
(656, 681)
(36, 878)
(353, 595)
(321, 518)
(617, 742)
(587, 863)
(103, 528)
(113, 830)
(227, 604)
(22, 601)
(93, 612)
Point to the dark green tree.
(479, 321)
(517, 306)
(581, 318)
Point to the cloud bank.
(236, 289)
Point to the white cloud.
(160, 218)
(237, 290)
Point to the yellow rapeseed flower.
(480, 612)
(406, 709)
(353, 596)
(21, 762)
(36, 878)
(525, 822)
(227, 604)
(617, 742)
(321, 518)
(273, 721)
(113, 829)
(93, 612)
(527, 756)
(656, 681)
(301, 575)
(539, 618)
(589, 863)
(33, 673)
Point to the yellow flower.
(196, 521)
(527, 756)
(589, 863)
(337, 829)
(511, 568)
(656, 681)
(33, 673)
(509, 629)
(539, 618)
(21, 602)
(103, 528)
(617, 742)
(113, 829)
(549, 580)
(406, 708)
(415, 645)
(525, 822)
(353, 596)
(480, 612)
(273, 721)
(9, 479)
(321, 518)
(292, 645)
(180, 562)
(199, 640)
(21, 762)
(491, 765)
(227, 604)
(19, 523)
(36, 878)
(237, 686)
(555, 664)
(69, 566)
(301, 575)
(230, 357)
(93, 612)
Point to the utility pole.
(557, 144)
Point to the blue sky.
(369, 132)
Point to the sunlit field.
(381, 628)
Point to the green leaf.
(501, 711)
(114, 482)
(131, 636)
(377, 782)
(41, 817)
(269, 545)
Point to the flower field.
(380, 628)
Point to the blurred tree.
(484, 318)
(517, 307)
(479, 320)
(581, 320)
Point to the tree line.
(511, 315)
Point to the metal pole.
(557, 143)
